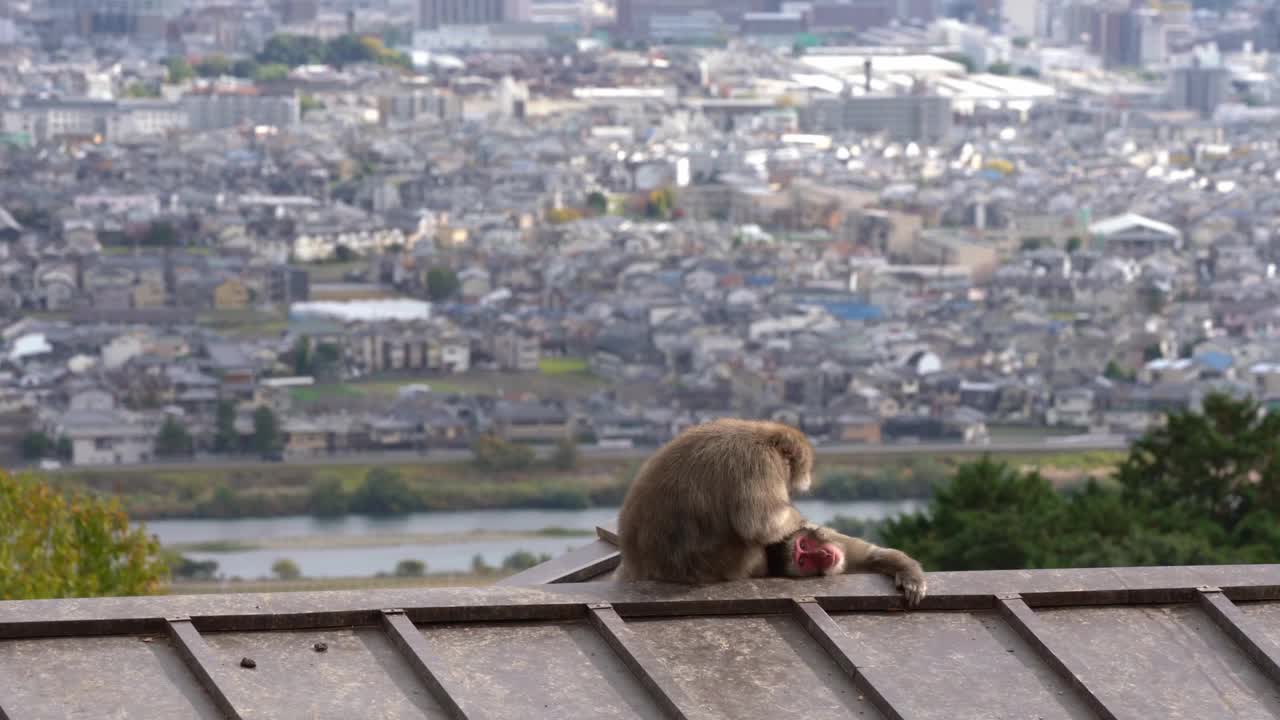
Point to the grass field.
(556, 378)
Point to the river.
(328, 547)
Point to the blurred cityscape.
(286, 229)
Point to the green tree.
(213, 66)
(597, 202)
(1115, 372)
(479, 566)
(1204, 488)
(384, 492)
(1000, 68)
(161, 234)
(271, 72)
(141, 90)
(327, 357)
(343, 254)
(225, 438)
(988, 517)
(491, 452)
(566, 455)
(173, 440)
(244, 68)
(308, 104)
(266, 431)
(36, 445)
(523, 560)
(63, 448)
(328, 499)
(293, 50)
(301, 356)
(1222, 463)
(442, 283)
(184, 568)
(410, 568)
(178, 70)
(54, 545)
(286, 569)
(1074, 243)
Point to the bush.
(327, 498)
(384, 493)
(184, 568)
(36, 445)
(286, 569)
(410, 568)
(523, 560)
(479, 566)
(493, 453)
(566, 455)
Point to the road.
(442, 457)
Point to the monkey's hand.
(912, 583)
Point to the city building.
(1201, 85)
(433, 14)
(217, 110)
(918, 117)
(140, 19)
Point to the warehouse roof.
(1107, 642)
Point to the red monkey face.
(816, 558)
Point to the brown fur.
(859, 556)
(703, 505)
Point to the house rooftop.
(562, 640)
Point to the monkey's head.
(795, 448)
(804, 554)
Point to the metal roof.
(1194, 642)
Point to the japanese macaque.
(703, 507)
(814, 551)
(714, 504)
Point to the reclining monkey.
(708, 505)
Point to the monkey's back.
(675, 523)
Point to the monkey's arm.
(762, 513)
(860, 555)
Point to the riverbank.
(274, 490)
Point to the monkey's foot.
(913, 586)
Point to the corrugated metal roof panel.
(753, 666)
(525, 670)
(1163, 662)
(359, 674)
(959, 664)
(1103, 642)
(98, 677)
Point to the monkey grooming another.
(703, 505)
(715, 502)
(814, 551)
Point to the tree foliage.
(286, 569)
(266, 431)
(54, 545)
(384, 493)
(178, 70)
(225, 438)
(36, 445)
(173, 440)
(410, 568)
(491, 452)
(1203, 488)
(442, 283)
(566, 455)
